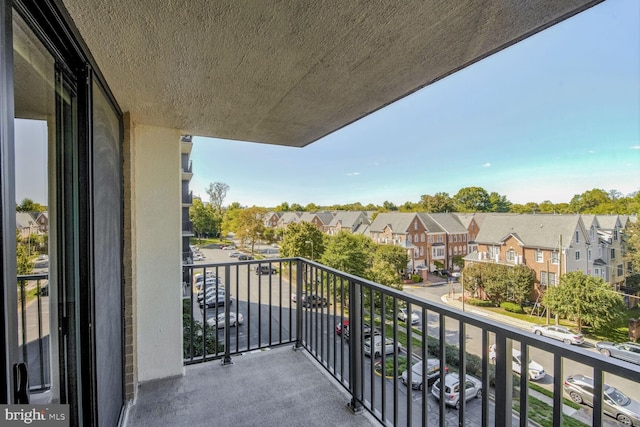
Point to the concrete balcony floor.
(275, 387)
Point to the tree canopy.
(588, 300)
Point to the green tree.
(588, 300)
(496, 282)
(230, 218)
(439, 202)
(351, 253)
(28, 205)
(498, 203)
(295, 207)
(472, 199)
(394, 256)
(388, 206)
(302, 240)
(203, 218)
(250, 225)
(217, 192)
(632, 237)
(589, 200)
(23, 260)
(282, 207)
(473, 277)
(521, 280)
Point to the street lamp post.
(311, 243)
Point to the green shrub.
(512, 307)
(416, 278)
(480, 302)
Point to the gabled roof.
(609, 222)
(449, 223)
(430, 224)
(349, 219)
(538, 231)
(398, 222)
(324, 217)
(24, 220)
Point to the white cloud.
(353, 173)
(486, 165)
(635, 147)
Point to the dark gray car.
(433, 372)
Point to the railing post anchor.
(226, 361)
(355, 406)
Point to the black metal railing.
(33, 329)
(338, 318)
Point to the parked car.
(314, 300)
(215, 299)
(244, 257)
(615, 403)
(341, 325)
(433, 372)
(235, 254)
(373, 346)
(210, 289)
(473, 389)
(628, 351)
(228, 247)
(264, 269)
(562, 333)
(198, 257)
(367, 331)
(218, 322)
(404, 316)
(535, 370)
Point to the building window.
(539, 255)
(613, 253)
(552, 279)
(430, 239)
(416, 238)
(421, 250)
(438, 252)
(554, 257)
(415, 224)
(620, 271)
(511, 255)
(455, 237)
(543, 278)
(422, 237)
(589, 254)
(409, 239)
(577, 237)
(577, 255)
(440, 238)
(615, 234)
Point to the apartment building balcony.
(302, 354)
(187, 199)
(187, 171)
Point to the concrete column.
(156, 219)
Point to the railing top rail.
(33, 276)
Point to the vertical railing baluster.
(355, 346)
(299, 274)
(227, 315)
(557, 389)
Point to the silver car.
(615, 403)
(473, 389)
(404, 316)
(628, 351)
(389, 346)
(218, 321)
(562, 333)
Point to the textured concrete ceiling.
(290, 72)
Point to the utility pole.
(559, 270)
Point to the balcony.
(187, 199)
(291, 345)
(330, 378)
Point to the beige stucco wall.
(157, 274)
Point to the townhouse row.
(551, 245)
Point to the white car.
(452, 389)
(536, 371)
(562, 333)
(218, 321)
(404, 316)
(389, 346)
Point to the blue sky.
(548, 118)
